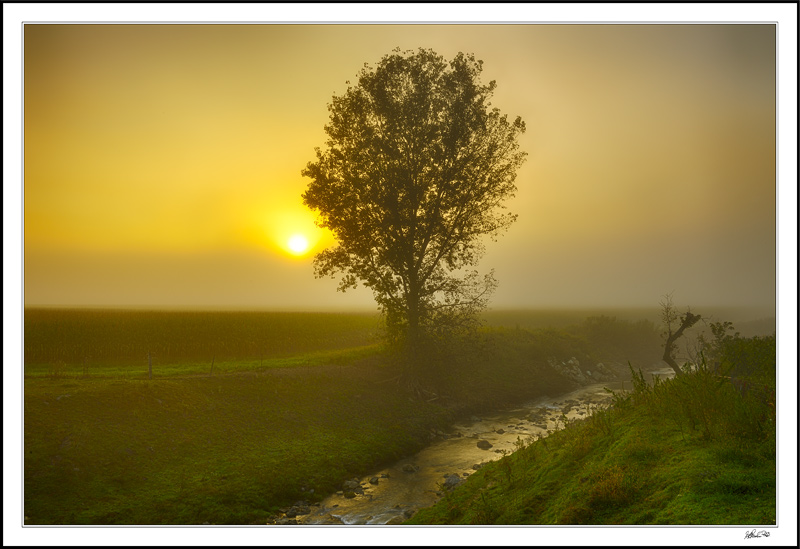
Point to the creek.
(392, 495)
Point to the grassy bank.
(696, 449)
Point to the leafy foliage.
(416, 167)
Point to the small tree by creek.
(416, 172)
(747, 363)
(674, 330)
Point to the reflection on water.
(393, 494)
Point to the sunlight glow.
(289, 229)
(298, 244)
(169, 152)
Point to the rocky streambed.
(392, 495)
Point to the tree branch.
(687, 321)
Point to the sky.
(162, 162)
(164, 169)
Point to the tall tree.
(415, 173)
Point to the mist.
(651, 162)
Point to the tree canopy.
(415, 172)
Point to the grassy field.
(294, 405)
(692, 450)
(107, 445)
(86, 342)
(226, 449)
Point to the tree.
(415, 173)
(712, 350)
(669, 317)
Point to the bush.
(737, 398)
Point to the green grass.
(124, 369)
(221, 449)
(233, 448)
(687, 451)
(104, 444)
(290, 403)
(110, 446)
(76, 340)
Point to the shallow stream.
(391, 495)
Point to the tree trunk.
(415, 367)
(413, 333)
(687, 321)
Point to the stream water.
(391, 495)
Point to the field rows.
(86, 339)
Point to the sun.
(297, 244)
(291, 232)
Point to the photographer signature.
(753, 534)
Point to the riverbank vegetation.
(696, 449)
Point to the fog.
(165, 170)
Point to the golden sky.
(162, 162)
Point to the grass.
(104, 444)
(108, 445)
(687, 451)
(78, 340)
(288, 407)
(124, 369)
(218, 449)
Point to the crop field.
(82, 342)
